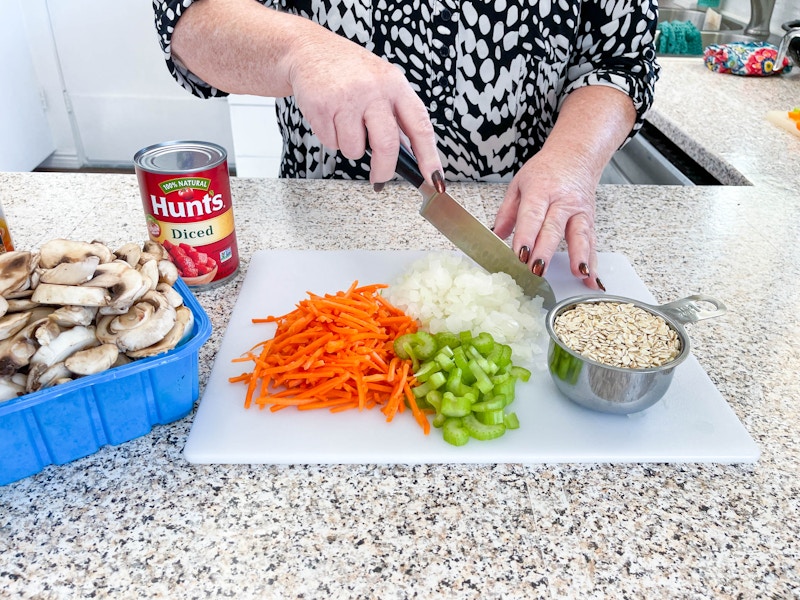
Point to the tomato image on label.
(153, 227)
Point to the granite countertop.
(137, 520)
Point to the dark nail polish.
(600, 284)
(538, 267)
(524, 254)
(438, 181)
(583, 268)
(378, 187)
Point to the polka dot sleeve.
(616, 49)
(167, 13)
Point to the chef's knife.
(471, 236)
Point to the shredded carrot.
(334, 352)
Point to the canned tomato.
(6, 245)
(186, 196)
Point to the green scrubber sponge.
(679, 37)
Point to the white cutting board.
(692, 423)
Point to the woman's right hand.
(349, 96)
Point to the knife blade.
(471, 236)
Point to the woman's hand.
(552, 196)
(348, 95)
(550, 199)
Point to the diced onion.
(446, 291)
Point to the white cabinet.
(25, 138)
(107, 90)
(256, 138)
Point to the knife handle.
(406, 167)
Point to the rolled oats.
(618, 334)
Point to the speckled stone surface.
(138, 521)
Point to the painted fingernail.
(538, 267)
(378, 187)
(438, 181)
(600, 284)
(583, 269)
(524, 254)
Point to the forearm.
(592, 124)
(240, 46)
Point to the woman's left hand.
(552, 197)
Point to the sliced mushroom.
(130, 253)
(167, 271)
(51, 293)
(171, 294)
(14, 270)
(11, 323)
(103, 251)
(64, 345)
(47, 332)
(3, 306)
(10, 389)
(151, 330)
(183, 322)
(16, 351)
(93, 360)
(133, 317)
(59, 251)
(156, 249)
(21, 294)
(149, 271)
(130, 287)
(69, 316)
(72, 273)
(108, 274)
(21, 305)
(47, 377)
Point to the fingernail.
(600, 284)
(378, 187)
(538, 267)
(438, 181)
(524, 254)
(583, 268)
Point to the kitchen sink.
(695, 17)
(650, 158)
(730, 30)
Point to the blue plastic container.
(75, 419)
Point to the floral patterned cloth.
(744, 58)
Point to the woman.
(535, 92)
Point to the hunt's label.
(190, 214)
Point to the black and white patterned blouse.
(492, 73)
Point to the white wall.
(107, 90)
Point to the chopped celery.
(454, 432)
(467, 380)
(491, 417)
(480, 431)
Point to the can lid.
(179, 157)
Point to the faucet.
(760, 16)
(790, 44)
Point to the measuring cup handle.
(687, 310)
